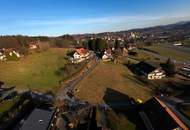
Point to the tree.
(84, 44)
(91, 45)
(97, 44)
(101, 44)
(116, 45)
(170, 67)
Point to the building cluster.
(5, 54)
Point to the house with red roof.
(80, 55)
(107, 55)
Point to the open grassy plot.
(114, 76)
(114, 84)
(35, 71)
(170, 52)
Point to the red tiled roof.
(82, 51)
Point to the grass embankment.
(35, 71)
(169, 52)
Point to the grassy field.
(35, 71)
(169, 52)
(113, 76)
(114, 84)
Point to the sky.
(58, 17)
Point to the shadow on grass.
(122, 106)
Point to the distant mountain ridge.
(182, 26)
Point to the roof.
(158, 116)
(81, 51)
(174, 114)
(147, 67)
(39, 119)
(177, 110)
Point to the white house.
(14, 52)
(156, 74)
(2, 56)
(177, 44)
(107, 55)
(80, 55)
(33, 46)
(150, 70)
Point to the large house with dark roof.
(150, 70)
(163, 113)
(39, 119)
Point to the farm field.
(35, 71)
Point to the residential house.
(33, 46)
(163, 113)
(131, 46)
(39, 119)
(125, 51)
(80, 55)
(185, 71)
(107, 55)
(4, 53)
(150, 70)
(178, 44)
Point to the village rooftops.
(39, 119)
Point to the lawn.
(114, 84)
(114, 76)
(170, 52)
(35, 71)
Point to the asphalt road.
(70, 86)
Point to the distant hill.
(183, 26)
